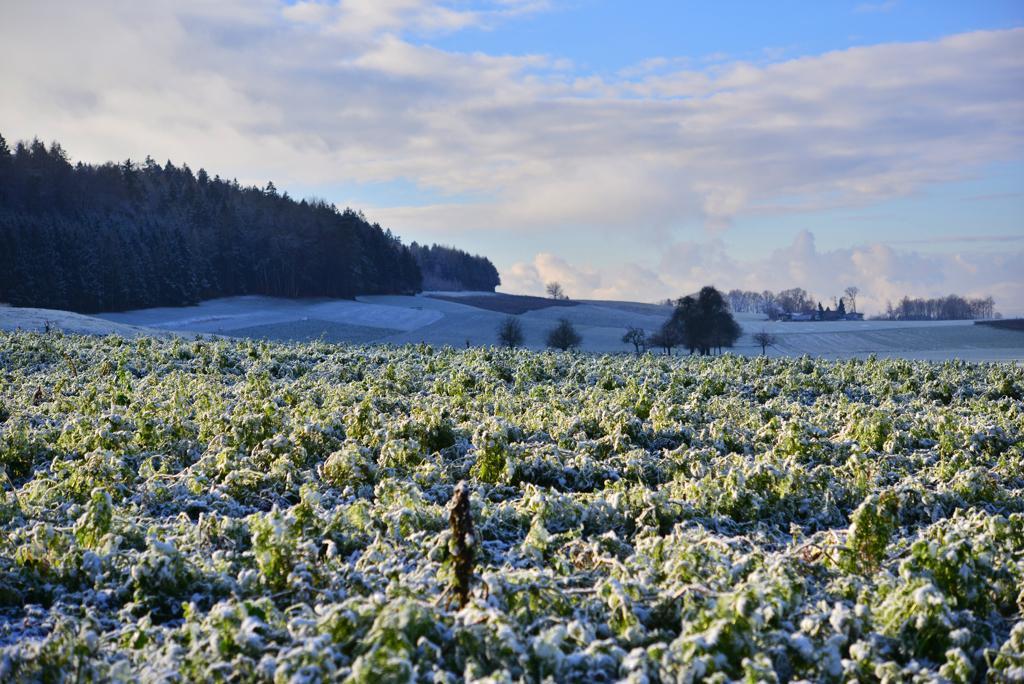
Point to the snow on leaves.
(247, 511)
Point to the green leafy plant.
(254, 511)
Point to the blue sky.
(628, 150)
(607, 36)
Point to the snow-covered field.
(401, 320)
(920, 340)
(232, 313)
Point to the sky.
(628, 150)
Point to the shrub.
(563, 336)
(510, 332)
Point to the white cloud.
(548, 268)
(230, 84)
(308, 12)
(881, 272)
(367, 17)
(329, 92)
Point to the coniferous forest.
(130, 235)
(447, 268)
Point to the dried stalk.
(460, 518)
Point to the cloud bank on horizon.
(641, 183)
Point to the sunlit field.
(237, 510)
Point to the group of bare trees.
(797, 300)
(951, 308)
(793, 300)
(743, 301)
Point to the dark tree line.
(123, 236)
(451, 270)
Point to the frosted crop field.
(229, 510)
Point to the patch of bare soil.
(507, 304)
(1009, 324)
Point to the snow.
(400, 320)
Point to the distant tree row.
(448, 269)
(951, 308)
(125, 236)
(794, 300)
(741, 301)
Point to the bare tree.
(668, 336)
(636, 337)
(554, 290)
(765, 339)
(510, 332)
(790, 300)
(851, 296)
(564, 335)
